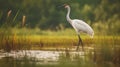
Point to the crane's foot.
(79, 49)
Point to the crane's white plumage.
(79, 25)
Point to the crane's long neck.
(68, 15)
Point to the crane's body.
(79, 26)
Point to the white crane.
(79, 26)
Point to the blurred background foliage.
(102, 15)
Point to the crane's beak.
(61, 6)
(64, 5)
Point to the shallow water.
(38, 54)
(38, 57)
(45, 56)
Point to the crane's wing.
(81, 26)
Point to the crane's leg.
(79, 42)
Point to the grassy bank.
(17, 39)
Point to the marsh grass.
(37, 39)
(106, 49)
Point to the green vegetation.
(102, 15)
(16, 39)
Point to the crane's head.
(66, 5)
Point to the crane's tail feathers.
(92, 35)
